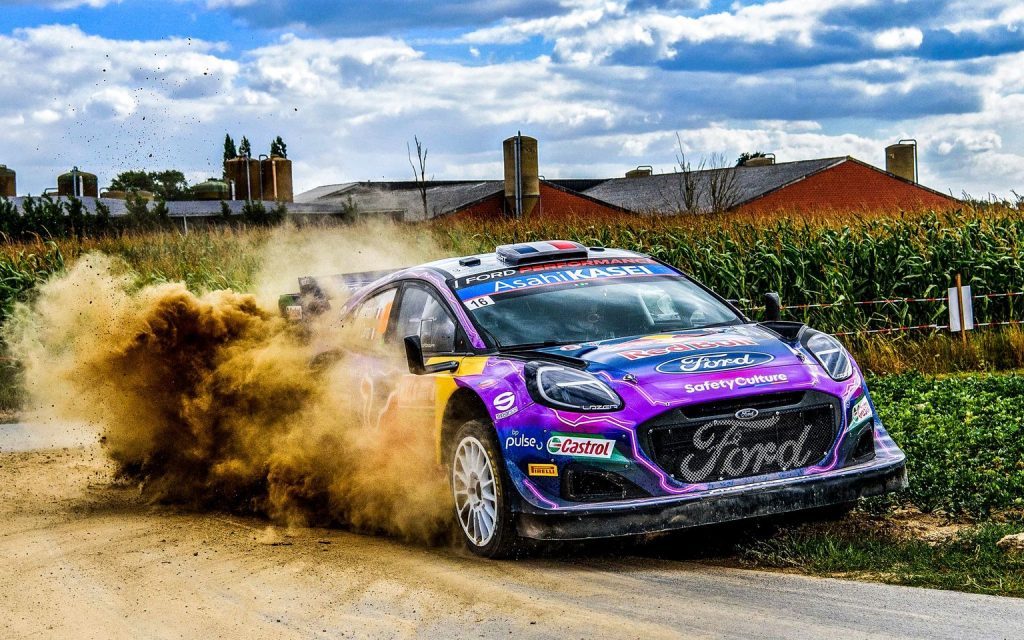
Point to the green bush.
(48, 218)
(255, 213)
(141, 216)
(963, 436)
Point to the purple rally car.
(588, 392)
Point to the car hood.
(717, 360)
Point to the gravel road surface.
(85, 559)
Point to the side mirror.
(772, 307)
(414, 357)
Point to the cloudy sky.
(604, 85)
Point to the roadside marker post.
(961, 309)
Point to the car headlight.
(830, 353)
(562, 388)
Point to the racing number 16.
(482, 301)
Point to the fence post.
(960, 302)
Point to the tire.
(484, 517)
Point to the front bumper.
(722, 505)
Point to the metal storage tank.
(8, 182)
(277, 179)
(759, 161)
(78, 183)
(522, 174)
(244, 173)
(901, 159)
(212, 190)
(642, 171)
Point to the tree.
(230, 152)
(711, 187)
(169, 184)
(245, 149)
(722, 188)
(690, 185)
(278, 148)
(746, 155)
(132, 181)
(419, 173)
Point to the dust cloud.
(211, 400)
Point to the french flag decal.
(542, 251)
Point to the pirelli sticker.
(543, 470)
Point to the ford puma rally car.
(586, 392)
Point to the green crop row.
(842, 259)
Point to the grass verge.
(964, 439)
(874, 548)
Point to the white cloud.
(898, 38)
(346, 107)
(592, 33)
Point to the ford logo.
(713, 362)
(747, 414)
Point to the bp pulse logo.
(713, 362)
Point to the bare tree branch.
(722, 186)
(419, 173)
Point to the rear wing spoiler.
(314, 296)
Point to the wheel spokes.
(473, 486)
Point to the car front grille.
(707, 443)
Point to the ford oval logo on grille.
(712, 362)
(747, 414)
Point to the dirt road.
(84, 559)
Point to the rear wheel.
(479, 485)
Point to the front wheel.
(479, 485)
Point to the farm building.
(522, 192)
(403, 201)
(830, 184)
(826, 184)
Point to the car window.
(597, 309)
(371, 317)
(422, 314)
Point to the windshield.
(592, 301)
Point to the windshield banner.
(508, 280)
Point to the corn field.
(810, 261)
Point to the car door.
(422, 312)
(391, 397)
(372, 366)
